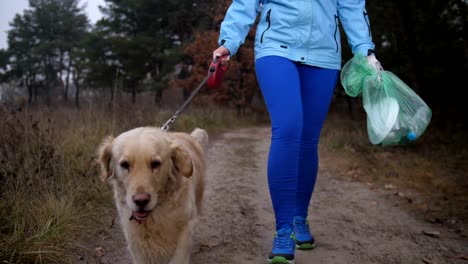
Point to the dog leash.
(214, 78)
(171, 120)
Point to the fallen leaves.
(211, 243)
(431, 233)
(99, 251)
(461, 257)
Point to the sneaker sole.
(280, 260)
(305, 246)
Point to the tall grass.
(51, 200)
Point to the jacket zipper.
(336, 31)
(366, 18)
(268, 27)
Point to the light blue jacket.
(305, 31)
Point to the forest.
(55, 55)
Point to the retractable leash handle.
(217, 70)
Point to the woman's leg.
(317, 86)
(280, 85)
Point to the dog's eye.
(125, 165)
(155, 164)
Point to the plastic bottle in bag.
(399, 136)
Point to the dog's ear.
(181, 160)
(104, 158)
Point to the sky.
(9, 8)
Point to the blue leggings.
(297, 97)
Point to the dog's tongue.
(140, 214)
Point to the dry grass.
(431, 173)
(52, 204)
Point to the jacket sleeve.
(355, 21)
(237, 22)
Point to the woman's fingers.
(221, 51)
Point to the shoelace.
(283, 241)
(302, 227)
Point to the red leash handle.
(217, 71)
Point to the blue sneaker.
(283, 247)
(304, 240)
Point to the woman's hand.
(372, 60)
(220, 52)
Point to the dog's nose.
(141, 199)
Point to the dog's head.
(145, 166)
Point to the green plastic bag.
(396, 115)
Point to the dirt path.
(352, 223)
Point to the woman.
(297, 60)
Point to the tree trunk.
(158, 96)
(158, 92)
(67, 80)
(30, 90)
(34, 87)
(65, 89)
(77, 94)
(48, 79)
(113, 90)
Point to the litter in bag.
(396, 115)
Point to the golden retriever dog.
(158, 183)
